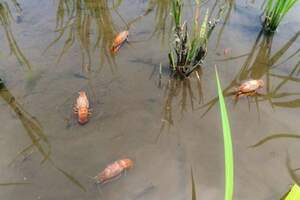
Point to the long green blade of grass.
(228, 150)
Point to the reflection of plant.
(35, 133)
(194, 195)
(162, 11)
(229, 8)
(183, 89)
(294, 192)
(259, 65)
(274, 12)
(76, 19)
(5, 20)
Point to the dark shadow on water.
(35, 133)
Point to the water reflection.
(39, 139)
(181, 91)
(5, 21)
(259, 64)
(76, 20)
(230, 5)
(162, 13)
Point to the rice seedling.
(274, 12)
(187, 50)
(228, 150)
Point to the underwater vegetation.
(5, 22)
(275, 10)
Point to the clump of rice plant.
(275, 10)
(188, 50)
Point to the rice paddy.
(154, 103)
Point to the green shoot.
(275, 11)
(228, 150)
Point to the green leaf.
(294, 193)
(228, 150)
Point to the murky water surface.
(52, 49)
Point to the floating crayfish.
(113, 170)
(119, 41)
(249, 88)
(82, 108)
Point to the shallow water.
(158, 123)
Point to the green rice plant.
(275, 10)
(188, 49)
(228, 150)
(176, 12)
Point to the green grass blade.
(228, 150)
(294, 194)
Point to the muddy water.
(52, 49)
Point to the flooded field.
(50, 50)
